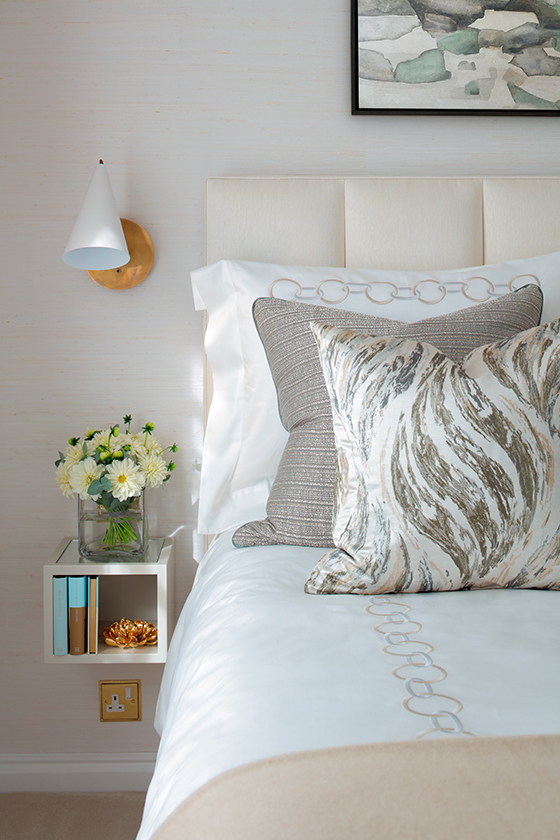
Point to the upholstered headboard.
(393, 223)
(388, 223)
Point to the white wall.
(167, 92)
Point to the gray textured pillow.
(300, 505)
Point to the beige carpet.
(70, 816)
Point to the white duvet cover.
(257, 668)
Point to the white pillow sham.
(244, 437)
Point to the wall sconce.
(116, 253)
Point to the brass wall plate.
(141, 250)
(120, 700)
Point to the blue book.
(77, 609)
(60, 616)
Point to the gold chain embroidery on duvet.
(418, 672)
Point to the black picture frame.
(390, 94)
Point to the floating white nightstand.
(130, 589)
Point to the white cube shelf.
(139, 589)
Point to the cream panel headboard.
(521, 217)
(391, 223)
(413, 223)
(408, 223)
(298, 221)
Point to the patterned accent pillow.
(300, 505)
(448, 475)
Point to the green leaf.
(106, 499)
(84, 449)
(105, 483)
(94, 488)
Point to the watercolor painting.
(456, 56)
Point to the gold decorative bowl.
(130, 634)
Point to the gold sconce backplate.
(141, 252)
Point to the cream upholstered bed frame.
(388, 223)
(499, 788)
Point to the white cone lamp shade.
(97, 241)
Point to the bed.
(312, 690)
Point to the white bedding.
(257, 668)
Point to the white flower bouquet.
(112, 468)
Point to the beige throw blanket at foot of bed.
(460, 789)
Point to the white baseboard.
(76, 772)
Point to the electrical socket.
(120, 700)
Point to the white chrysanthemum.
(73, 454)
(136, 444)
(105, 438)
(91, 446)
(63, 479)
(82, 474)
(153, 444)
(126, 479)
(154, 468)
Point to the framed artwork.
(494, 57)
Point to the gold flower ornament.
(130, 634)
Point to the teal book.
(77, 614)
(60, 616)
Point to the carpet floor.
(70, 816)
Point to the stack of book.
(75, 615)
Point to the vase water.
(118, 534)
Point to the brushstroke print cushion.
(448, 475)
(300, 505)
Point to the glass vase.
(112, 535)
